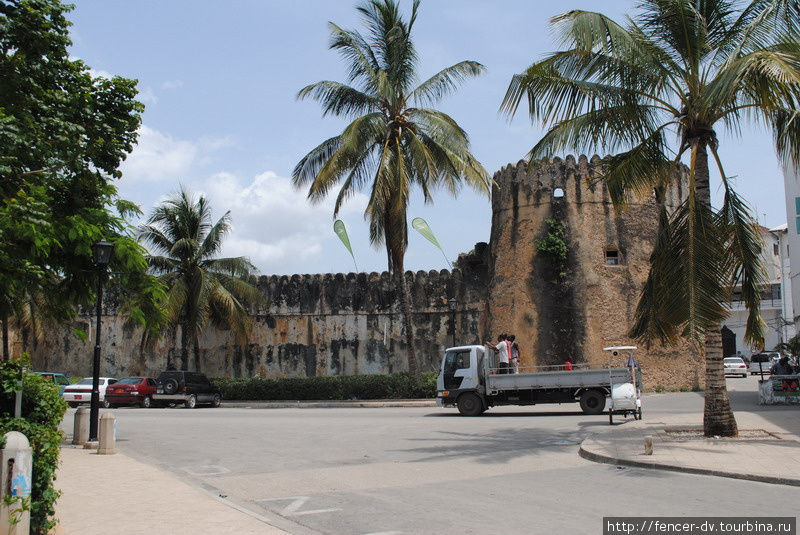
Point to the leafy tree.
(202, 289)
(394, 142)
(63, 135)
(682, 70)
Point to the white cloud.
(147, 95)
(172, 84)
(159, 157)
(273, 223)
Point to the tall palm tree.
(679, 70)
(202, 289)
(394, 142)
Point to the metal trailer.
(469, 379)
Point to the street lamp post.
(102, 255)
(452, 304)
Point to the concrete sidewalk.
(775, 458)
(113, 493)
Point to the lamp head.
(102, 252)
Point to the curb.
(328, 404)
(606, 459)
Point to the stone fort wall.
(313, 325)
(351, 323)
(573, 307)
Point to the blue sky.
(219, 81)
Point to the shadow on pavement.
(497, 446)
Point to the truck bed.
(602, 377)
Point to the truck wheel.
(593, 402)
(470, 404)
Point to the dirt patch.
(697, 434)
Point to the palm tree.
(680, 69)
(792, 346)
(202, 289)
(393, 142)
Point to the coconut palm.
(678, 70)
(202, 289)
(394, 142)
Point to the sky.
(219, 81)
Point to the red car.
(132, 391)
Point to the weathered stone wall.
(572, 308)
(351, 324)
(314, 325)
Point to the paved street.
(428, 470)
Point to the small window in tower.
(775, 249)
(612, 257)
(558, 193)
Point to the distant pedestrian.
(568, 366)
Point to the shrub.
(42, 412)
(330, 387)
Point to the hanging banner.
(421, 226)
(341, 231)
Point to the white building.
(791, 242)
(777, 308)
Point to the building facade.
(777, 308)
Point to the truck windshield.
(456, 360)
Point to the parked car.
(763, 361)
(734, 366)
(132, 391)
(189, 388)
(81, 392)
(60, 380)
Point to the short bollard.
(108, 434)
(648, 445)
(80, 431)
(15, 474)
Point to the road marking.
(293, 509)
(206, 470)
(385, 533)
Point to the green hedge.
(42, 411)
(330, 387)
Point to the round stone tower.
(568, 268)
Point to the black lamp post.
(451, 303)
(102, 255)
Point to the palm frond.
(212, 243)
(445, 82)
(339, 99)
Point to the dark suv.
(189, 388)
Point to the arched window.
(558, 193)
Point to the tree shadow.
(497, 446)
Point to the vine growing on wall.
(554, 245)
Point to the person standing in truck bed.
(514, 363)
(503, 351)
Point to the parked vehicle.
(189, 388)
(470, 380)
(734, 366)
(132, 391)
(60, 380)
(81, 392)
(763, 361)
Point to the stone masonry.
(560, 308)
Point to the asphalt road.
(427, 470)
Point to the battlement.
(567, 180)
(376, 292)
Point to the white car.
(763, 361)
(81, 392)
(734, 366)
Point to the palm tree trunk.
(405, 308)
(184, 346)
(196, 352)
(718, 419)
(6, 349)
